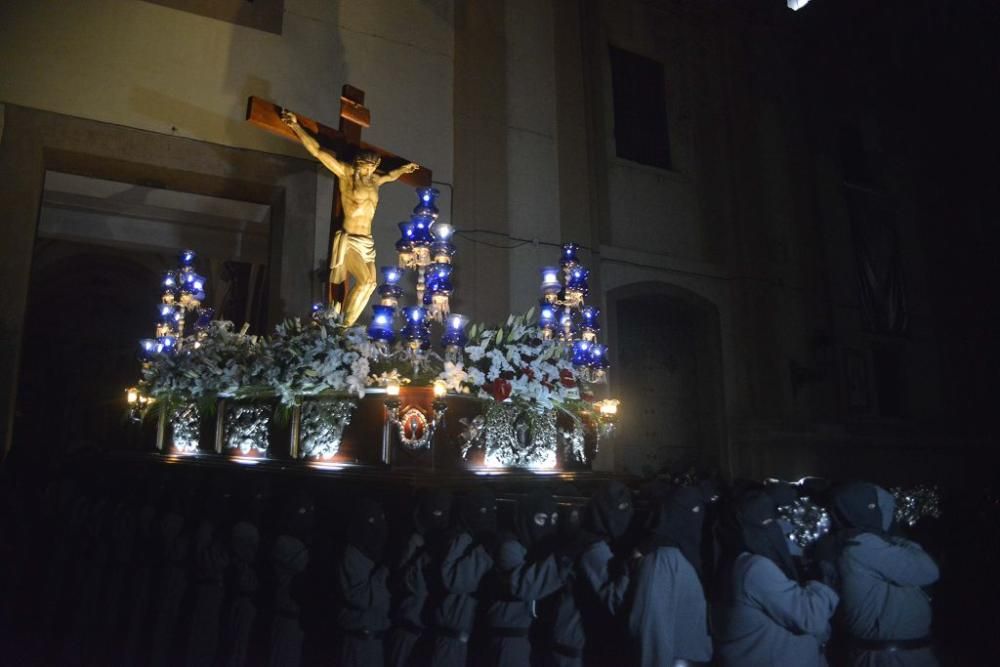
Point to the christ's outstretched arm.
(340, 169)
(396, 173)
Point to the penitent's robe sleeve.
(898, 561)
(528, 581)
(804, 610)
(361, 584)
(610, 590)
(464, 565)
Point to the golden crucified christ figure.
(353, 246)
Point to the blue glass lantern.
(390, 290)
(405, 235)
(205, 316)
(427, 205)
(577, 280)
(169, 313)
(566, 322)
(589, 319)
(581, 352)
(439, 279)
(147, 348)
(421, 230)
(598, 356)
(569, 258)
(416, 331)
(442, 231)
(380, 329)
(454, 331)
(166, 344)
(187, 257)
(169, 280)
(546, 315)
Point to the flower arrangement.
(320, 356)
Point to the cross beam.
(343, 142)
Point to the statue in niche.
(353, 246)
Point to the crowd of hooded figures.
(175, 566)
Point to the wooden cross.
(344, 142)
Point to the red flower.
(500, 389)
(566, 378)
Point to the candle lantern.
(589, 322)
(598, 356)
(576, 281)
(415, 332)
(147, 348)
(569, 259)
(205, 316)
(169, 314)
(380, 330)
(427, 204)
(551, 286)
(454, 332)
(390, 291)
(581, 352)
(166, 344)
(547, 319)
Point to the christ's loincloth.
(343, 242)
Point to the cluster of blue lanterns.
(183, 291)
(425, 247)
(563, 315)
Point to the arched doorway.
(87, 308)
(668, 373)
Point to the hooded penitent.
(678, 522)
(433, 513)
(477, 511)
(856, 509)
(366, 529)
(535, 521)
(610, 511)
(760, 533)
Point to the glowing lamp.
(392, 388)
(169, 313)
(147, 348)
(569, 258)
(427, 204)
(169, 280)
(205, 316)
(187, 257)
(550, 281)
(380, 328)
(581, 352)
(454, 332)
(420, 231)
(166, 344)
(439, 279)
(589, 319)
(132, 396)
(440, 389)
(608, 407)
(442, 231)
(415, 332)
(577, 280)
(598, 356)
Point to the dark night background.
(894, 119)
